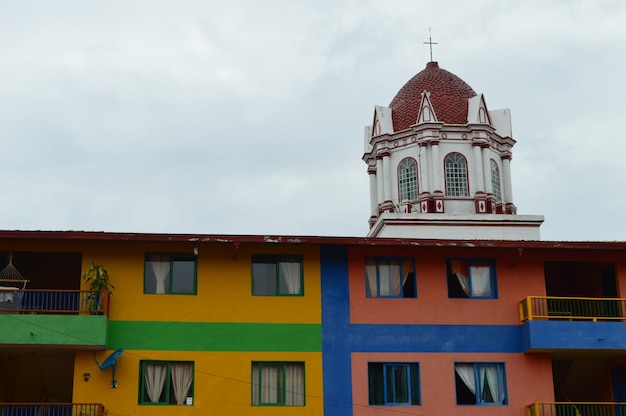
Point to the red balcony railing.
(51, 409)
(54, 301)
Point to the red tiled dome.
(448, 94)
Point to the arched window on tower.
(407, 179)
(495, 180)
(456, 175)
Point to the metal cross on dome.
(430, 43)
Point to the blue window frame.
(471, 278)
(393, 384)
(387, 277)
(482, 384)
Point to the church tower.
(439, 164)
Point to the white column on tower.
(437, 177)
(487, 169)
(387, 176)
(479, 181)
(506, 173)
(422, 160)
(379, 179)
(373, 191)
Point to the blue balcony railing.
(51, 409)
(54, 301)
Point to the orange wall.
(518, 276)
(528, 380)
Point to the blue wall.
(573, 335)
(340, 338)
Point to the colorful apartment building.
(452, 305)
(202, 322)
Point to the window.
(390, 277)
(480, 383)
(471, 278)
(277, 275)
(456, 175)
(393, 384)
(495, 180)
(407, 178)
(277, 384)
(170, 273)
(166, 382)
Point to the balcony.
(60, 318)
(551, 324)
(577, 409)
(51, 409)
(566, 308)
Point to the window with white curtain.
(471, 278)
(480, 384)
(390, 277)
(278, 384)
(167, 273)
(393, 384)
(277, 275)
(166, 383)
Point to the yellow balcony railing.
(577, 409)
(568, 308)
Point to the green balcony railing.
(570, 308)
(51, 409)
(576, 409)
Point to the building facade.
(451, 305)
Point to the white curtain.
(370, 274)
(182, 376)
(269, 387)
(466, 373)
(291, 272)
(384, 278)
(154, 380)
(407, 269)
(459, 269)
(395, 278)
(294, 384)
(160, 265)
(481, 280)
(489, 377)
(270, 379)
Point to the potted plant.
(98, 279)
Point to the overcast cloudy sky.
(246, 117)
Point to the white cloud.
(247, 117)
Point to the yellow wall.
(221, 383)
(224, 285)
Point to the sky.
(247, 117)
